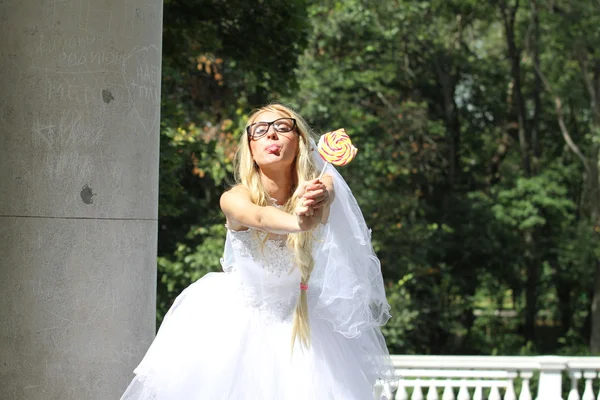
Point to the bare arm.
(241, 213)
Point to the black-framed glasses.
(280, 125)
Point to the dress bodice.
(265, 267)
(273, 255)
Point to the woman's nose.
(271, 132)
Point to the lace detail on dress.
(271, 311)
(272, 254)
(269, 282)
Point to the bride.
(296, 313)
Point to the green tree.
(460, 172)
(570, 74)
(477, 128)
(220, 59)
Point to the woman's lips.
(273, 149)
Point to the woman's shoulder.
(236, 191)
(233, 200)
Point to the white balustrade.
(448, 393)
(575, 377)
(478, 395)
(417, 394)
(463, 393)
(510, 387)
(550, 381)
(490, 378)
(432, 393)
(401, 394)
(525, 392)
(588, 393)
(494, 394)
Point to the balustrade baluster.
(494, 393)
(574, 392)
(478, 395)
(377, 391)
(401, 393)
(432, 393)
(448, 392)
(525, 391)
(463, 393)
(588, 393)
(491, 378)
(417, 393)
(510, 391)
(387, 391)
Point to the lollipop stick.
(323, 171)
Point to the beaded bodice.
(265, 267)
(272, 254)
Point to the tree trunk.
(595, 329)
(592, 82)
(594, 204)
(532, 261)
(447, 80)
(537, 107)
(531, 287)
(514, 54)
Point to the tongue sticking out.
(273, 149)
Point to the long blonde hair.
(247, 174)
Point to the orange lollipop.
(336, 148)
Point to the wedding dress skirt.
(228, 336)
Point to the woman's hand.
(307, 217)
(315, 198)
(303, 187)
(316, 195)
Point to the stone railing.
(492, 378)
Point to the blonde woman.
(296, 313)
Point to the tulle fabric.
(349, 273)
(213, 345)
(351, 290)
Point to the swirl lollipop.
(336, 148)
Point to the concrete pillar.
(79, 123)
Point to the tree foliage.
(478, 128)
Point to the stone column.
(79, 150)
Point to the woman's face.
(273, 148)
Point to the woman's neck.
(278, 184)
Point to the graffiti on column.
(141, 73)
(95, 70)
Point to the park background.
(478, 129)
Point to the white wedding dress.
(228, 335)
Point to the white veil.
(347, 271)
(347, 280)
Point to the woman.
(296, 312)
